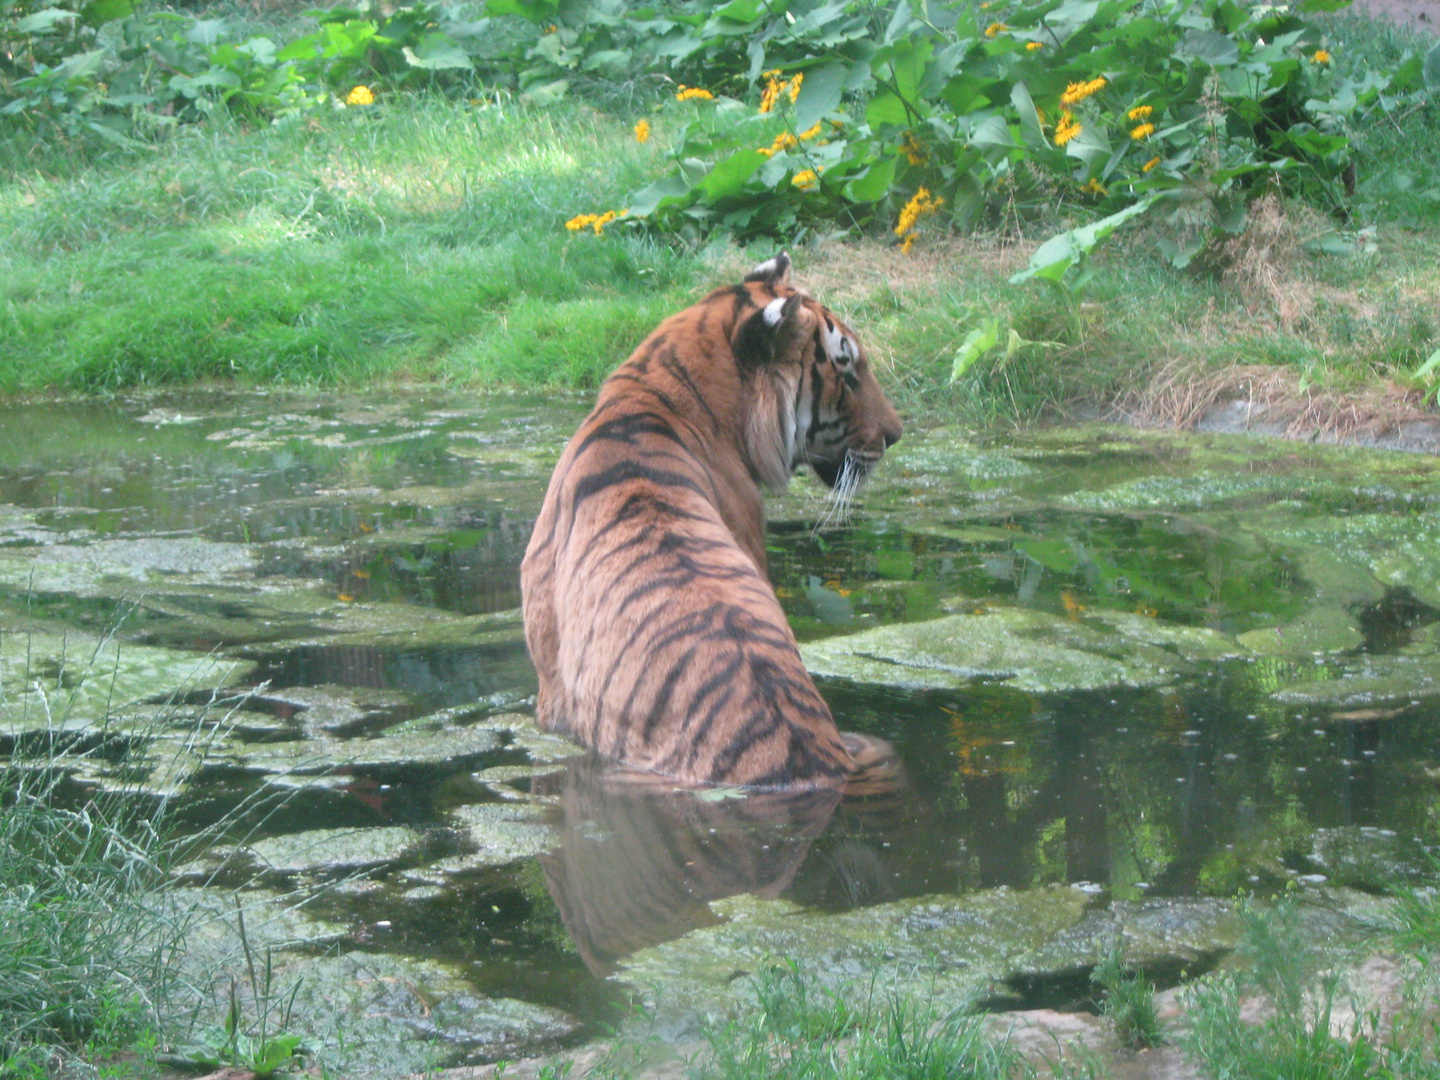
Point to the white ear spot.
(775, 311)
(836, 344)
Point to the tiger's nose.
(891, 433)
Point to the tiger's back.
(655, 632)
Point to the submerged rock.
(1028, 650)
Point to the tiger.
(657, 639)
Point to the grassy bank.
(422, 238)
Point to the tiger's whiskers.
(842, 495)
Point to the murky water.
(1159, 666)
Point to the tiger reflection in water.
(640, 861)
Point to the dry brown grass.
(1260, 265)
(1182, 391)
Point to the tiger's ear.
(764, 336)
(774, 272)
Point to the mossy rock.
(1028, 650)
(1320, 630)
(76, 680)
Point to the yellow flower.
(360, 95)
(1150, 164)
(1140, 112)
(806, 180)
(811, 133)
(1143, 131)
(772, 91)
(1079, 91)
(595, 221)
(642, 130)
(1066, 129)
(695, 93)
(1031, 46)
(1321, 57)
(995, 28)
(1094, 187)
(783, 141)
(795, 86)
(913, 152)
(910, 214)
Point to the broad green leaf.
(729, 176)
(1030, 129)
(976, 344)
(206, 31)
(437, 52)
(1090, 146)
(819, 94)
(1070, 248)
(992, 132)
(1429, 367)
(886, 108)
(874, 183)
(535, 10)
(744, 11)
(546, 93)
(100, 12)
(42, 22)
(666, 191)
(1208, 46)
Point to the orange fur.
(655, 632)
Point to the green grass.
(1129, 1003)
(84, 951)
(420, 239)
(804, 1032)
(423, 239)
(1303, 1034)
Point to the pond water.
(1129, 675)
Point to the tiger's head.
(813, 396)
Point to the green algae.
(501, 833)
(76, 680)
(377, 1013)
(1367, 681)
(1320, 630)
(959, 948)
(314, 755)
(327, 851)
(1028, 650)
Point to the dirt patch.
(1421, 14)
